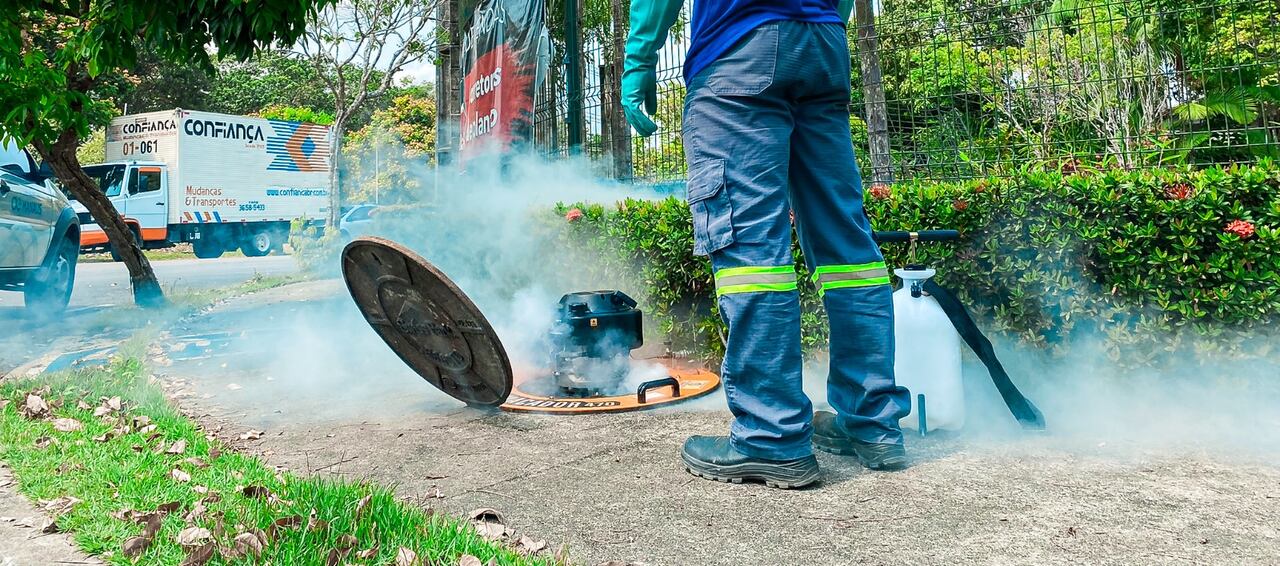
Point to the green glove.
(650, 22)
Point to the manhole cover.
(430, 323)
(540, 394)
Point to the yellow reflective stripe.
(826, 269)
(754, 279)
(756, 288)
(824, 287)
(749, 270)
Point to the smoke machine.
(592, 342)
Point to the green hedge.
(1154, 261)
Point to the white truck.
(218, 181)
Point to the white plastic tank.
(927, 359)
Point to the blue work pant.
(766, 131)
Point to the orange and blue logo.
(297, 146)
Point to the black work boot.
(828, 437)
(712, 457)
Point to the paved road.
(100, 284)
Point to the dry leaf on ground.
(316, 524)
(177, 447)
(362, 505)
(44, 441)
(284, 523)
(252, 434)
(113, 403)
(194, 536)
(180, 476)
(150, 524)
(406, 557)
(336, 557)
(82, 405)
(256, 492)
(247, 544)
(489, 523)
(529, 546)
(434, 492)
(67, 425)
(346, 542)
(367, 553)
(59, 506)
(199, 556)
(197, 511)
(134, 546)
(469, 560)
(35, 407)
(169, 507)
(101, 412)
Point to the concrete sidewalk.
(21, 540)
(300, 363)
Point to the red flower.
(879, 191)
(1240, 228)
(573, 214)
(959, 205)
(1178, 191)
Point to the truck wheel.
(258, 243)
(137, 237)
(207, 247)
(48, 291)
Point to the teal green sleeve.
(650, 22)
(845, 7)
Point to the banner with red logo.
(504, 61)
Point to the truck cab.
(140, 191)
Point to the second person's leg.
(851, 276)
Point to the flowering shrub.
(1139, 257)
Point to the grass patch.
(180, 251)
(133, 471)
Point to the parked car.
(39, 234)
(357, 221)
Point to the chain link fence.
(957, 89)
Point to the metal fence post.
(573, 52)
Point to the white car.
(39, 234)
(356, 222)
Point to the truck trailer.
(218, 181)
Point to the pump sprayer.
(929, 323)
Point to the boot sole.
(844, 449)
(780, 476)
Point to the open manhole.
(439, 332)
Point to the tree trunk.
(61, 157)
(616, 120)
(873, 93)
(335, 175)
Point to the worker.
(766, 131)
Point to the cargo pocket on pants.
(712, 211)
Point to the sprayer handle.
(900, 236)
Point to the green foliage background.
(1141, 258)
